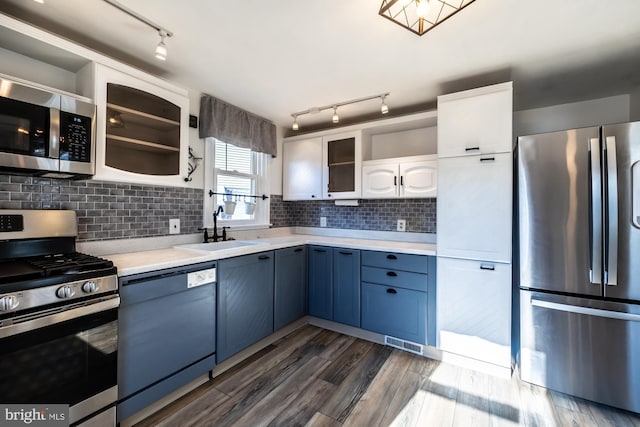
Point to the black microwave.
(45, 133)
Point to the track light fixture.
(384, 109)
(161, 48)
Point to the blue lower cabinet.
(245, 302)
(320, 281)
(290, 299)
(394, 311)
(346, 286)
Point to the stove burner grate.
(68, 263)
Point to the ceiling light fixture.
(420, 16)
(161, 48)
(384, 109)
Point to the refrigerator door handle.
(585, 310)
(611, 272)
(595, 271)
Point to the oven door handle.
(61, 316)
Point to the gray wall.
(614, 109)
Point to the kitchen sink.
(217, 246)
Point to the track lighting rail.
(335, 119)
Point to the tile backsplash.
(379, 215)
(107, 210)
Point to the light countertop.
(158, 259)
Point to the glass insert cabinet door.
(142, 132)
(343, 162)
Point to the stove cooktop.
(50, 265)
(46, 270)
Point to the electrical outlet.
(402, 225)
(174, 226)
(323, 221)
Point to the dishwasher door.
(167, 336)
(580, 346)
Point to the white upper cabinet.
(411, 177)
(419, 179)
(342, 164)
(477, 121)
(387, 158)
(379, 180)
(302, 169)
(141, 131)
(474, 207)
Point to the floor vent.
(404, 345)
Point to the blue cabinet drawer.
(401, 279)
(393, 311)
(404, 262)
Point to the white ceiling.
(277, 57)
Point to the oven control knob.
(65, 292)
(89, 287)
(8, 303)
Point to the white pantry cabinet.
(408, 177)
(475, 207)
(141, 130)
(474, 211)
(474, 309)
(476, 121)
(302, 169)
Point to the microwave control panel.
(75, 137)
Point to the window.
(237, 174)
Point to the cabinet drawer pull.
(320, 250)
(401, 180)
(487, 159)
(472, 149)
(313, 196)
(487, 267)
(297, 250)
(391, 256)
(395, 180)
(263, 257)
(346, 253)
(392, 274)
(391, 291)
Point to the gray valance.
(235, 126)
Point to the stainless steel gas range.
(58, 318)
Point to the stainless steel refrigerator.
(579, 257)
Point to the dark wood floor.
(315, 377)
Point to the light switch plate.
(174, 226)
(402, 225)
(323, 221)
